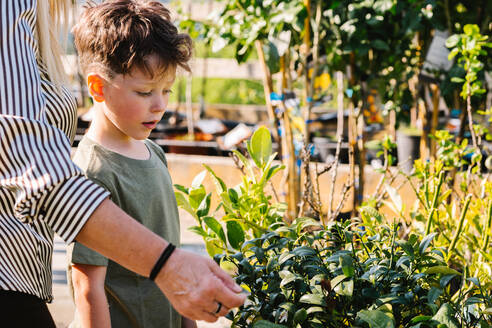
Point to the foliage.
(249, 211)
(469, 47)
(220, 91)
(360, 273)
(374, 38)
(241, 23)
(462, 217)
(307, 275)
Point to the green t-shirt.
(143, 189)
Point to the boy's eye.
(167, 92)
(144, 94)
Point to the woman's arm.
(90, 298)
(192, 283)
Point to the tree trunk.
(268, 88)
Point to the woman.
(42, 191)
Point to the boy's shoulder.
(156, 149)
(93, 160)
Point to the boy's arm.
(188, 323)
(90, 298)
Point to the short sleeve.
(83, 255)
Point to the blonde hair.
(52, 23)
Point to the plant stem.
(460, 226)
(267, 87)
(334, 177)
(434, 203)
(469, 110)
(486, 231)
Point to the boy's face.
(134, 103)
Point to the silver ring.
(219, 307)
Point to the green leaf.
(445, 316)
(270, 172)
(433, 295)
(218, 43)
(204, 207)
(445, 280)
(233, 196)
(335, 281)
(453, 53)
(370, 213)
(383, 5)
(395, 197)
(197, 181)
(345, 288)
(198, 230)
(441, 269)
(261, 146)
(487, 311)
(376, 319)
(475, 281)
(181, 188)
(267, 324)
(184, 204)
(457, 80)
(219, 184)
(471, 29)
(452, 41)
(315, 299)
(300, 316)
(347, 265)
(215, 226)
(235, 234)
(420, 318)
(196, 197)
(426, 241)
(380, 45)
(210, 246)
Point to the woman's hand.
(195, 285)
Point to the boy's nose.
(160, 104)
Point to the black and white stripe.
(41, 190)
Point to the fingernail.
(237, 288)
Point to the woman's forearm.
(113, 233)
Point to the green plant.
(249, 210)
(460, 215)
(363, 273)
(469, 46)
(342, 275)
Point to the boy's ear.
(95, 84)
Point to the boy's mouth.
(150, 125)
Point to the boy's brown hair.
(118, 35)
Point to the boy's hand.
(195, 285)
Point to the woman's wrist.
(166, 254)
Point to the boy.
(129, 50)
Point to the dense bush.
(430, 270)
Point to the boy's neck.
(104, 133)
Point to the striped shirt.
(41, 190)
